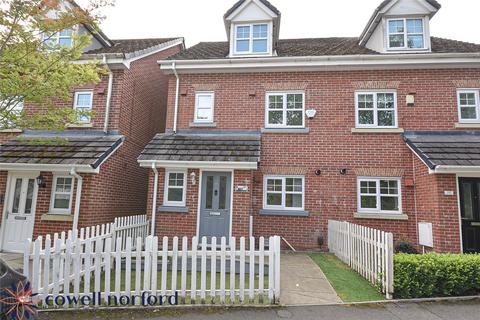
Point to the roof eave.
(224, 165)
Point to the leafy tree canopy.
(36, 69)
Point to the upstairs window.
(204, 102)
(376, 109)
(469, 105)
(13, 108)
(63, 39)
(84, 103)
(285, 110)
(252, 38)
(406, 34)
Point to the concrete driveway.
(303, 282)
(13, 260)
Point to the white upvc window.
(83, 102)
(284, 192)
(63, 39)
(376, 109)
(468, 105)
(251, 38)
(175, 188)
(379, 195)
(204, 107)
(61, 198)
(285, 109)
(406, 34)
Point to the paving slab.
(13, 260)
(302, 282)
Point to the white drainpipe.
(177, 96)
(78, 198)
(109, 96)
(154, 201)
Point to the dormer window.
(251, 39)
(63, 39)
(406, 34)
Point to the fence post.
(277, 269)
(389, 289)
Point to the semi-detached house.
(87, 175)
(269, 136)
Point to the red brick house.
(88, 174)
(269, 136)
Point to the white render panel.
(410, 7)
(251, 12)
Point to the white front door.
(20, 211)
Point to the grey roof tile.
(458, 148)
(203, 147)
(87, 150)
(316, 47)
(130, 45)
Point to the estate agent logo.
(16, 302)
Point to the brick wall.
(331, 146)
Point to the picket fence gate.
(368, 251)
(195, 271)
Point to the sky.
(202, 20)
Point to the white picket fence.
(207, 273)
(368, 251)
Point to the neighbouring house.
(87, 175)
(269, 136)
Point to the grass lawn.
(350, 286)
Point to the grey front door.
(215, 209)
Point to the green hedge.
(436, 275)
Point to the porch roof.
(62, 149)
(203, 148)
(446, 149)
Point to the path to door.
(13, 260)
(303, 282)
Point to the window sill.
(286, 130)
(11, 131)
(377, 130)
(173, 209)
(79, 125)
(284, 213)
(380, 216)
(466, 125)
(203, 125)
(57, 217)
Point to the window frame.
(54, 210)
(378, 209)
(283, 192)
(375, 109)
(75, 102)
(405, 33)
(284, 109)
(212, 116)
(57, 37)
(182, 203)
(477, 105)
(251, 38)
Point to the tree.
(35, 69)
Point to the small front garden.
(348, 284)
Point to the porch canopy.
(446, 151)
(203, 151)
(45, 151)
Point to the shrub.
(436, 275)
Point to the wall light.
(193, 178)
(41, 181)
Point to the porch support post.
(78, 198)
(154, 199)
